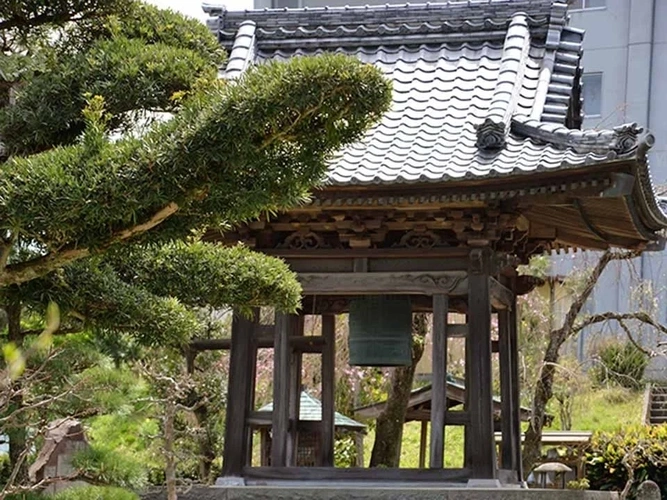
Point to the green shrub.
(30, 495)
(620, 364)
(96, 493)
(642, 449)
(345, 451)
(107, 466)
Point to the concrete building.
(625, 80)
(625, 67)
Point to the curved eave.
(646, 208)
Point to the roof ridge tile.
(491, 134)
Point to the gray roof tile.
(310, 410)
(481, 88)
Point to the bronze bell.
(380, 331)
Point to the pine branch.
(36, 268)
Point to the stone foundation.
(380, 493)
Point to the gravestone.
(656, 370)
(648, 490)
(63, 439)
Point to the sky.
(193, 8)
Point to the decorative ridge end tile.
(491, 135)
(627, 137)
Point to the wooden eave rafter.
(560, 210)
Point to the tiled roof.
(481, 88)
(310, 410)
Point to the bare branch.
(577, 305)
(640, 316)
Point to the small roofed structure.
(568, 447)
(419, 409)
(308, 440)
(64, 438)
(419, 405)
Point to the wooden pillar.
(236, 428)
(295, 385)
(439, 382)
(359, 444)
(516, 389)
(467, 439)
(252, 383)
(328, 386)
(508, 454)
(422, 444)
(482, 447)
(281, 391)
(264, 447)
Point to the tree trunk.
(16, 432)
(170, 458)
(389, 428)
(532, 448)
(205, 443)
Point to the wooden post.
(508, 454)
(422, 444)
(516, 394)
(359, 445)
(295, 386)
(252, 383)
(236, 428)
(328, 386)
(482, 448)
(281, 391)
(467, 439)
(264, 447)
(439, 382)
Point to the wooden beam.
(310, 344)
(410, 253)
(281, 390)
(507, 455)
(579, 241)
(439, 382)
(328, 389)
(480, 382)
(355, 474)
(236, 430)
(456, 330)
(501, 297)
(454, 417)
(444, 282)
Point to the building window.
(290, 4)
(587, 4)
(591, 88)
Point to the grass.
(410, 448)
(606, 410)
